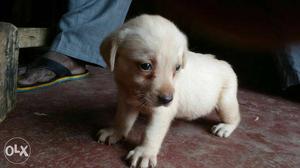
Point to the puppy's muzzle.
(165, 99)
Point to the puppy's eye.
(146, 67)
(177, 67)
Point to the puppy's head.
(146, 54)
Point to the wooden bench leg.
(9, 53)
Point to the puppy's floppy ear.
(110, 45)
(184, 52)
(108, 50)
(184, 55)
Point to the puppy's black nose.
(165, 99)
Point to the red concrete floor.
(60, 124)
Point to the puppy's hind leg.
(228, 111)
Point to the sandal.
(62, 75)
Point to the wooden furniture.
(11, 40)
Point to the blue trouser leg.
(289, 65)
(85, 25)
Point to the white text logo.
(17, 150)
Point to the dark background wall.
(28, 13)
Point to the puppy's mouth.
(163, 104)
(146, 100)
(143, 99)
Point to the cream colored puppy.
(156, 74)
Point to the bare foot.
(35, 75)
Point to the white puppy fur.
(157, 75)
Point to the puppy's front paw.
(109, 135)
(223, 130)
(146, 157)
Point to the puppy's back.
(200, 84)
